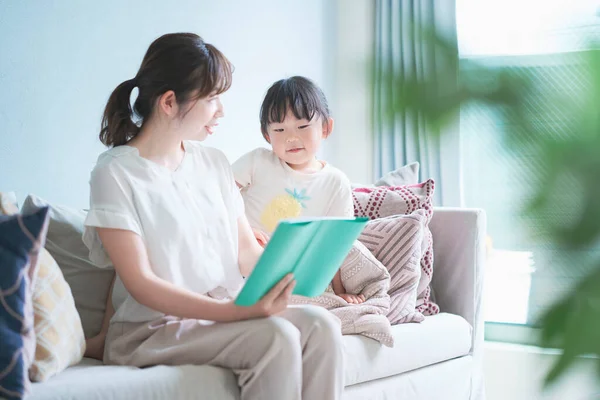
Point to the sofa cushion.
(89, 284)
(448, 380)
(8, 203)
(438, 338)
(396, 242)
(59, 335)
(92, 380)
(386, 201)
(59, 340)
(405, 175)
(21, 237)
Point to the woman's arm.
(129, 256)
(249, 250)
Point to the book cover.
(313, 249)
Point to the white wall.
(350, 148)
(517, 372)
(61, 59)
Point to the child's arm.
(261, 237)
(128, 254)
(243, 169)
(342, 202)
(243, 173)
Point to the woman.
(166, 212)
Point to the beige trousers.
(296, 355)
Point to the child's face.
(296, 141)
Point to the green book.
(313, 249)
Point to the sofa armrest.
(458, 266)
(458, 276)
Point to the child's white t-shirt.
(272, 190)
(187, 218)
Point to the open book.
(313, 249)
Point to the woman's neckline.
(158, 166)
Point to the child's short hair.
(297, 94)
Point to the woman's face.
(201, 119)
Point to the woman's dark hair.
(297, 94)
(181, 62)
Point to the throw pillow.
(21, 238)
(89, 284)
(396, 242)
(8, 203)
(59, 339)
(386, 201)
(405, 175)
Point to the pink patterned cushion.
(396, 243)
(384, 201)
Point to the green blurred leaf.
(568, 160)
(574, 323)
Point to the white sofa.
(441, 358)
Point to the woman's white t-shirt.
(187, 219)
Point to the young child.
(289, 181)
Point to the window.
(530, 37)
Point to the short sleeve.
(243, 169)
(342, 204)
(231, 193)
(111, 206)
(234, 198)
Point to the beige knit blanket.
(361, 274)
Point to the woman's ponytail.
(118, 127)
(178, 62)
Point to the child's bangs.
(288, 98)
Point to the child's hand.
(353, 298)
(261, 237)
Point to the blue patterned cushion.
(21, 238)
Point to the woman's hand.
(274, 302)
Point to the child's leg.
(337, 285)
(340, 290)
(94, 347)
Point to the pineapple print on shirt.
(284, 206)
